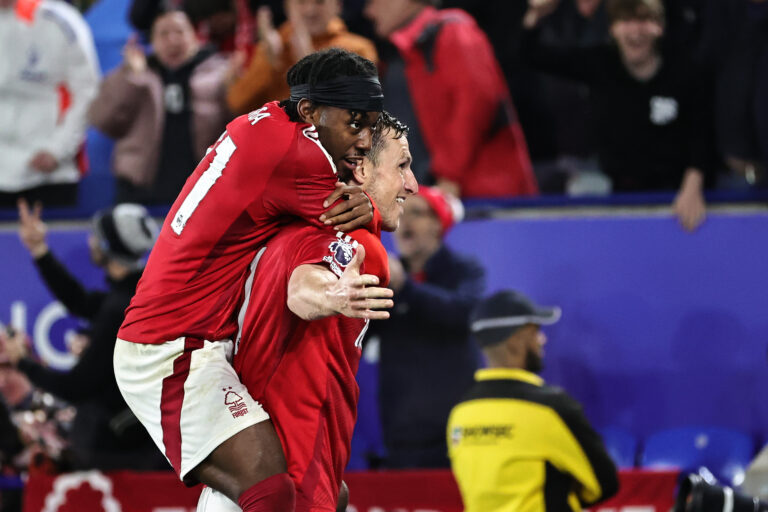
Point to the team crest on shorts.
(235, 402)
(342, 251)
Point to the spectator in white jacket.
(48, 76)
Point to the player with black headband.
(301, 345)
(174, 350)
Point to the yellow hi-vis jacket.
(518, 445)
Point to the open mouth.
(635, 42)
(351, 162)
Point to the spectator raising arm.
(60, 282)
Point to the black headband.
(348, 92)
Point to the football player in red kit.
(174, 350)
(300, 349)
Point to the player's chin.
(390, 221)
(390, 226)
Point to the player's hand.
(354, 212)
(43, 161)
(689, 205)
(357, 295)
(32, 229)
(133, 56)
(269, 37)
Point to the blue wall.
(660, 328)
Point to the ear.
(306, 111)
(362, 173)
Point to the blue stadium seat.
(621, 445)
(725, 453)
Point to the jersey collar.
(509, 373)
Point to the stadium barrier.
(650, 313)
(392, 491)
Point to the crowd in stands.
(503, 99)
(545, 96)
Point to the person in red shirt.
(445, 64)
(302, 342)
(173, 354)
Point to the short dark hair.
(199, 10)
(386, 124)
(619, 10)
(164, 11)
(325, 65)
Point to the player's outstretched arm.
(315, 292)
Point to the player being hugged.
(314, 291)
(174, 350)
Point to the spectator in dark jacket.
(652, 111)
(426, 358)
(105, 434)
(447, 85)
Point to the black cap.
(497, 317)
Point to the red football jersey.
(303, 373)
(262, 172)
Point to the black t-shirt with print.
(647, 132)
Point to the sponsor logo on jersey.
(31, 71)
(237, 405)
(342, 251)
(481, 434)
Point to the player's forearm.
(309, 292)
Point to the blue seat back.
(621, 445)
(724, 452)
